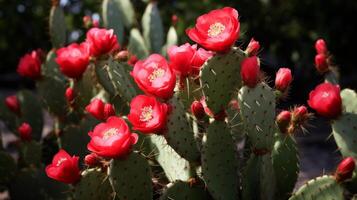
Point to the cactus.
(7, 169)
(57, 25)
(31, 153)
(153, 30)
(183, 190)
(112, 18)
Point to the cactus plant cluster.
(144, 141)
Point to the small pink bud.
(25, 131)
(108, 110)
(299, 114)
(321, 63)
(345, 169)
(283, 79)
(197, 109)
(174, 20)
(253, 47)
(13, 104)
(91, 160)
(320, 46)
(283, 120)
(250, 71)
(122, 55)
(69, 94)
(96, 108)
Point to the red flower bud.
(252, 48)
(64, 168)
(321, 47)
(13, 104)
(147, 114)
(132, 60)
(326, 100)
(283, 79)
(321, 63)
(299, 115)
(73, 59)
(95, 23)
(197, 109)
(112, 139)
(250, 71)
(102, 41)
(69, 94)
(345, 169)
(91, 160)
(217, 30)
(220, 116)
(30, 65)
(108, 110)
(96, 109)
(25, 131)
(122, 55)
(174, 20)
(283, 120)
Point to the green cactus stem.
(153, 29)
(113, 18)
(137, 44)
(57, 26)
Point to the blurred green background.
(286, 30)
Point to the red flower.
(283, 79)
(197, 109)
(250, 70)
(112, 139)
(345, 169)
(253, 47)
(91, 160)
(154, 76)
(283, 120)
(25, 131)
(326, 100)
(96, 109)
(13, 104)
(147, 114)
(69, 95)
(30, 65)
(108, 110)
(180, 58)
(73, 59)
(320, 46)
(64, 168)
(216, 30)
(102, 41)
(132, 60)
(321, 63)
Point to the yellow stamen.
(109, 133)
(146, 114)
(215, 29)
(157, 73)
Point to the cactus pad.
(112, 18)
(31, 153)
(344, 131)
(93, 185)
(183, 190)
(179, 133)
(137, 45)
(320, 188)
(131, 178)
(349, 101)
(220, 77)
(153, 29)
(219, 163)
(7, 168)
(257, 107)
(57, 25)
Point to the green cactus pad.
(320, 188)
(344, 131)
(258, 178)
(31, 112)
(137, 44)
(115, 78)
(50, 68)
(171, 39)
(183, 191)
(220, 77)
(286, 165)
(349, 101)
(57, 25)
(179, 133)
(130, 178)
(174, 166)
(84, 89)
(74, 141)
(112, 18)
(257, 107)
(31, 153)
(94, 184)
(7, 168)
(219, 162)
(7, 116)
(153, 29)
(127, 12)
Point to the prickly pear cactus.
(349, 101)
(183, 190)
(7, 168)
(153, 30)
(113, 18)
(344, 132)
(57, 25)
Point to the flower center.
(60, 161)
(109, 133)
(325, 95)
(215, 29)
(157, 73)
(146, 114)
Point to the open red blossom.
(325, 99)
(30, 65)
(102, 41)
(64, 168)
(13, 104)
(283, 79)
(250, 71)
(154, 76)
(112, 139)
(147, 114)
(217, 30)
(73, 59)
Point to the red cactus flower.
(250, 71)
(283, 79)
(25, 131)
(321, 47)
(13, 104)
(69, 94)
(108, 110)
(321, 63)
(102, 41)
(96, 109)
(252, 48)
(30, 65)
(345, 169)
(197, 109)
(91, 160)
